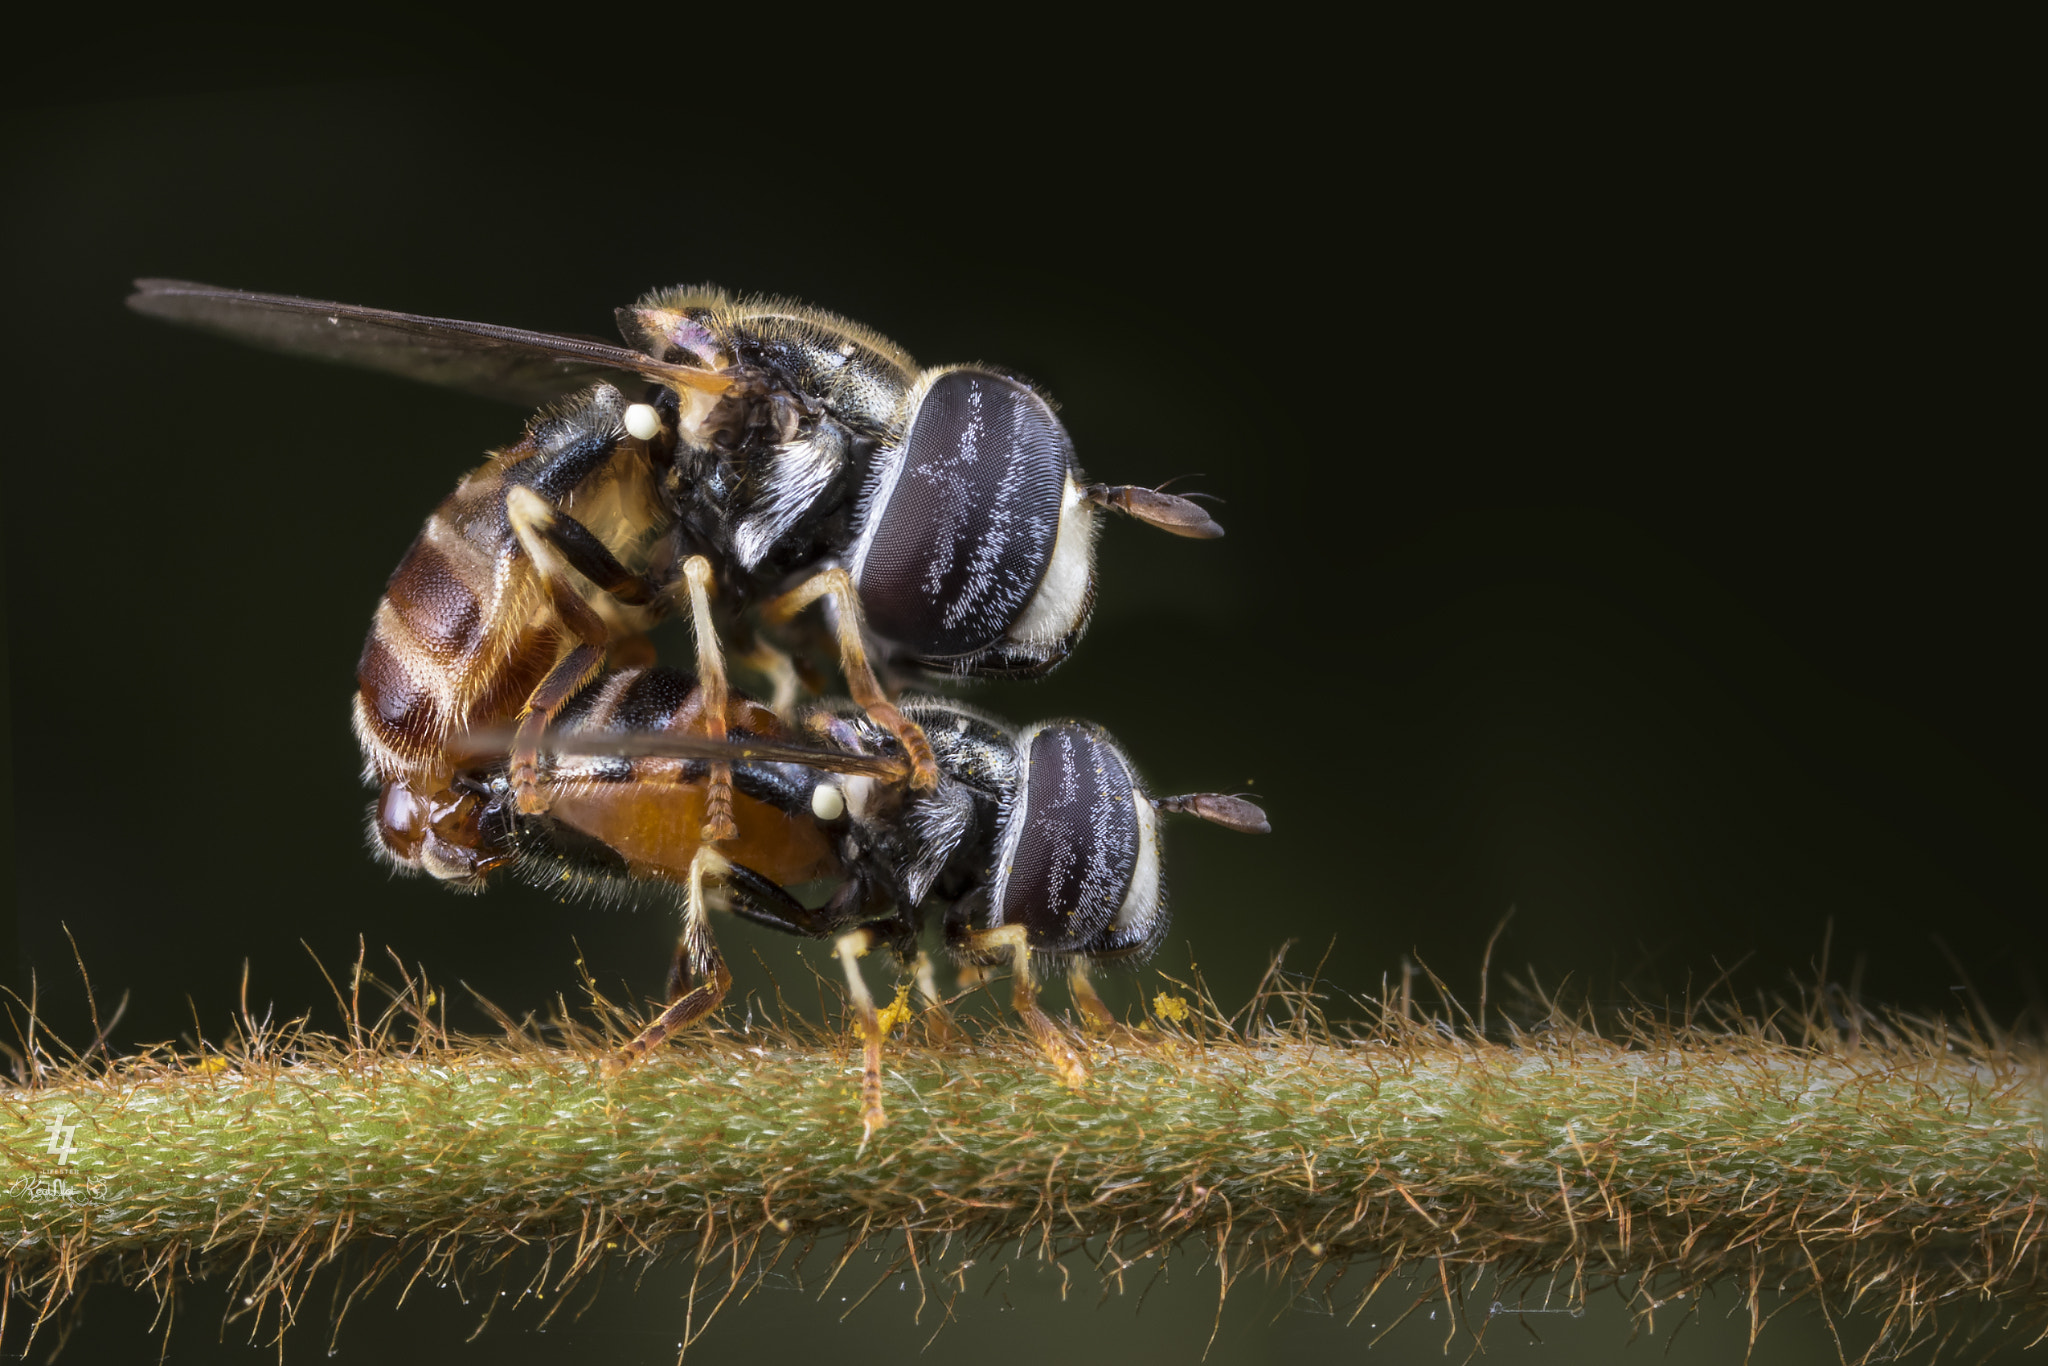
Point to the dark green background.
(1623, 528)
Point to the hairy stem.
(1904, 1177)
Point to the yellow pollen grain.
(896, 1012)
(1170, 1008)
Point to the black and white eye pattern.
(1078, 862)
(960, 523)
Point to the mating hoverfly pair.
(778, 457)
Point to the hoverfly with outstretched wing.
(771, 455)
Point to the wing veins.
(500, 362)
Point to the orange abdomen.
(654, 825)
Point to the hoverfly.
(781, 456)
(1041, 843)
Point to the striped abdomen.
(466, 630)
(461, 638)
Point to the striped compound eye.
(1080, 865)
(960, 528)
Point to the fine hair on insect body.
(781, 456)
(1039, 846)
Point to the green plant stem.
(1908, 1177)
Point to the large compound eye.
(963, 532)
(1070, 866)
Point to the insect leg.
(850, 947)
(867, 692)
(529, 514)
(1010, 941)
(718, 821)
(1095, 1012)
(927, 982)
(698, 979)
(766, 903)
(536, 519)
(780, 671)
(563, 682)
(938, 1021)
